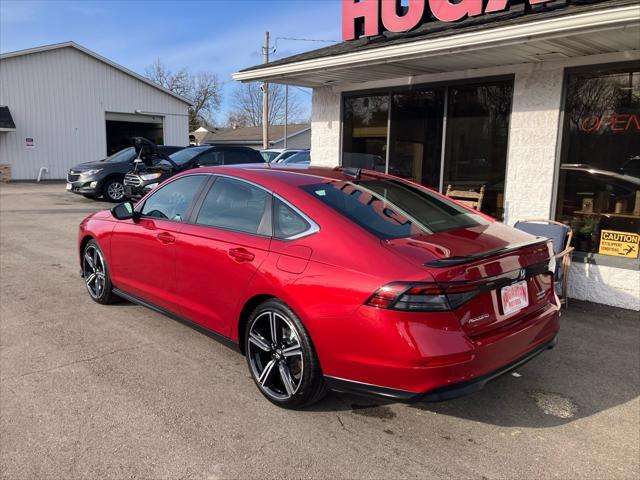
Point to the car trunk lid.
(492, 274)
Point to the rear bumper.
(440, 394)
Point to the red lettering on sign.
(620, 122)
(452, 12)
(500, 5)
(369, 10)
(402, 23)
(376, 12)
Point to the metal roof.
(100, 58)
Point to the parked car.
(106, 177)
(148, 174)
(279, 155)
(331, 279)
(301, 158)
(271, 154)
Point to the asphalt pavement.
(91, 391)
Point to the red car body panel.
(327, 278)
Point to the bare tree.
(246, 103)
(202, 88)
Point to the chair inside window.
(470, 198)
(560, 236)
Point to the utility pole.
(286, 114)
(265, 98)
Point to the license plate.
(69, 187)
(515, 297)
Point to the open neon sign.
(380, 15)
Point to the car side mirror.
(125, 211)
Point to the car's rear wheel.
(281, 357)
(96, 274)
(113, 190)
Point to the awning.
(580, 30)
(6, 120)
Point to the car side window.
(172, 201)
(235, 157)
(287, 222)
(235, 205)
(213, 158)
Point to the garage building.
(69, 105)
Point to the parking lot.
(123, 392)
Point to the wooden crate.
(5, 173)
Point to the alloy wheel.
(275, 355)
(115, 191)
(94, 271)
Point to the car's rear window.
(393, 209)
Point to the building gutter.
(599, 20)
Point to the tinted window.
(393, 209)
(126, 155)
(599, 181)
(184, 156)
(298, 158)
(235, 157)
(269, 156)
(172, 201)
(234, 205)
(214, 157)
(286, 222)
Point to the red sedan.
(331, 279)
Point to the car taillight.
(426, 297)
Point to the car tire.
(96, 274)
(113, 190)
(285, 369)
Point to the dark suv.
(105, 177)
(153, 167)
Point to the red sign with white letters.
(380, 15)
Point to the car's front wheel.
(113, 190)
(281, 357)
(96, 274)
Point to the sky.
(222, 36)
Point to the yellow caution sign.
(619, 244)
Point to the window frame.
(269, 210)
(444, 84)
(140, 206)
(592, 258)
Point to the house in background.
(70, 105)
(298, 136)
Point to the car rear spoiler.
(453, 261)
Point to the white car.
(277, 155)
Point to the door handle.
(166, 238)
(241, 255)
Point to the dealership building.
(537, 101)
(63, 104)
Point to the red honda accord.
(331, 279)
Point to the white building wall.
(59, 97)
(533, 137)
(300, 141)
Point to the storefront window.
(366, 121)
(410, 124)
(599, 181)
(416, 136)
(477, 139)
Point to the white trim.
(491, 37)
(80, 48)
(7, 129)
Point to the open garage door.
(122, 127)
